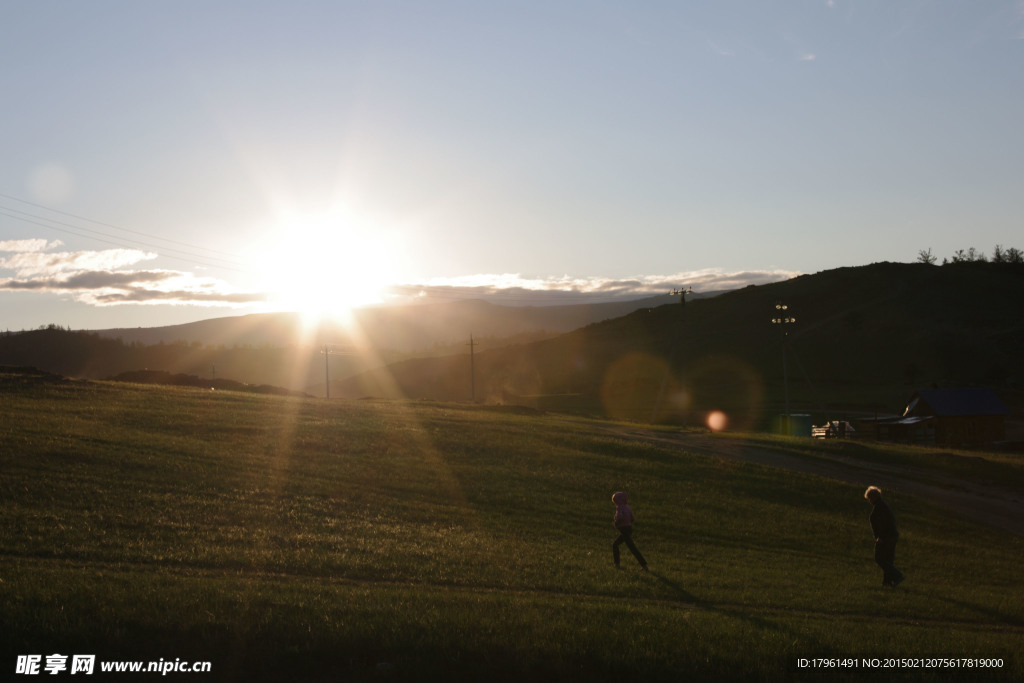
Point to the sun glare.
(323, 267)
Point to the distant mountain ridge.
(274, 350)
(398, 328)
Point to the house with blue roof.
(950, 417)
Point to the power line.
(107, 225)
(197, 255)
(166, 252)
(207, 259)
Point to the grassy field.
(304, 540)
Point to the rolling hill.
(275, 349)
(864, 338)
(394, 328)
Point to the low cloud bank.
(112, 277)
(107, 277)
(515, 290)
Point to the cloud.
(105, 278)
(110, 278)
(31, 263)
(18, 246)
(513, 289)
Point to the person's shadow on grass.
(681, 594)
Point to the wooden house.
(951, 417)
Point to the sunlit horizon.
(325, 265)
(198, 160)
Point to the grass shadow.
(680, 593)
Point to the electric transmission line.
(191, 253)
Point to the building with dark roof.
(950, 417)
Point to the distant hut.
(950, 417)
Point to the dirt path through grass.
(996, 506)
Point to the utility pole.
(327, 370)
(682, 292)
(472, 367)
(329, 350)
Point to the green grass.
(1004, 468)
(296, 539)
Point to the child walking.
(624, 523)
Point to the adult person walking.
(883, 526)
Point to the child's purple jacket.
(623, 514)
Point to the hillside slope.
(864, 339)
(293, 539)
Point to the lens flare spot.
(716, 420)
(681, 400)
(633, 385)
(727, 385)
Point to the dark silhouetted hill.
(865, 337)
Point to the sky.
(166, 161)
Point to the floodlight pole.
(782, 319)
(682, 296)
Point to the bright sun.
(324, 266)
